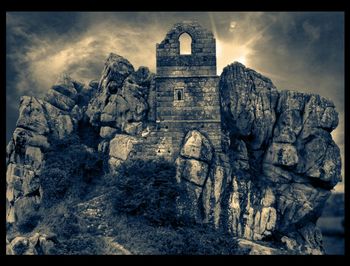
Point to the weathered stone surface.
(33, 157)
(31, 184)
(10, 214)
(268, 198)
(107, 132)
(195, 171)
(320, 113)
(288, 127)
(64, 126)
(282, 154)
(59, 100)
(197, 146)
(65, 85)
(129, 105)
(103, 147)
(301, 159)
(276, 174)
(290, 243)
(114, 163)
(32, 115)
(116, 69)
(121, 146)
(213, 194)
(61, 123)
(248, 102)
(313, 240)
(133, 128)
(320, 157)
(77, 113)
(121, 100)
(22, 137)
(36, 244)
(96, 106)
(298, 202)
(239, 154)
(259, 249)
(46, 244)
(18, 246)
(189, 204)
(20, 180)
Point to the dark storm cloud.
(299, 51)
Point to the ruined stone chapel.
(186, 89)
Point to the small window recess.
(178, 94)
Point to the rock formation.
(267, 186)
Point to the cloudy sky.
(301, 51)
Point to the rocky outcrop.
(268, 183)
(41, 124)
(276, 172)
(283, 159)
(36, 244)
(121, 102)
(192, 169)
(120, 108)
(120, 148)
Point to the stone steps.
(93, 214)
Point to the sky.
(301, 51)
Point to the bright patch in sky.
(185, 43)
(227, 52)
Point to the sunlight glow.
(227, 52)
(185, 43)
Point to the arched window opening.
(179, 94)
(185, 43)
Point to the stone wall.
(202, 61)
(195, 76)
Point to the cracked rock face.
(40, 123)
(121, 102)
(269, 183)
(275, 177)
(36, 244)
(280, 144)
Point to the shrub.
(67, 225)
(147, 188)
(54, 183)
(204, 240)
(68, 168)
(83, 244)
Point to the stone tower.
(187, 95)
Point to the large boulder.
(32, 115)
(120, 149)
(35, 244)
(192, 171)
(121, 146)
(40, 124)
(248, 101)
(122, 98)
(116, 69)
(283, 159)
(63, 94)
(196, 146)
